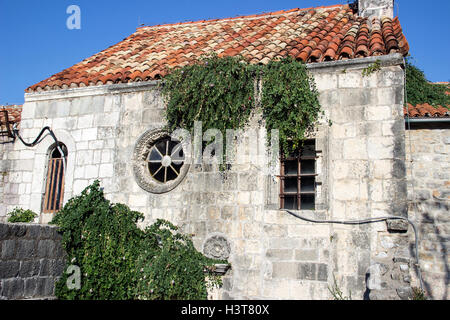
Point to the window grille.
(165, 160)
(298, 178)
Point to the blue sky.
(35, 42)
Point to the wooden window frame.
(54, 188)
(283, 176)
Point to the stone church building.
(107, 114)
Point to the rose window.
(159, 162)
(165, 160)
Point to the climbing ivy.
(119, 261)
(289, 101)
(219, 92)
(419, 90)
(223, 93)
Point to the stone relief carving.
(217, 247)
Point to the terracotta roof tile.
(426, 111)
(312, 35)
(14, 113)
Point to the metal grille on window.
(298, 178)
(54, 189)
(165, 160)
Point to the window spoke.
(174, 170)
(158, 171)
(162, 156)
(176, 149)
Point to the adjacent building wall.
(428, 159)
(361, 170)
(32, 260)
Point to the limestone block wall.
(4, 171)
(428, 159)
(86, 124)
(361, 169)
(366, 158)
(32, 260)
(378, 8)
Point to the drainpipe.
(427, 120)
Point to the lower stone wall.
(32, 260)
(388, 277)
(428, 155)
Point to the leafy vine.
(222, 94)
(219, 92)
(290, 101)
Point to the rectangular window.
(298, 178)
(54, 191)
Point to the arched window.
(54, 187)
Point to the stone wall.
(274, 255)
(366, 178)
(31, 261)
(6, 195)
(428, 159)
(377, 8)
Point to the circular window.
(159, 162)
(165, 160)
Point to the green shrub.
(418, 294)
(119, 261)
(19, 215)
(171, 268)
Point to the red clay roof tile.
(311, 35)
(426, 111)
(14, 113)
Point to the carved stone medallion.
(217, 247)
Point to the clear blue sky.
(35, 42)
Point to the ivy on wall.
(223, 93)
(420, 90)
(219, 92)
(289, 101)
